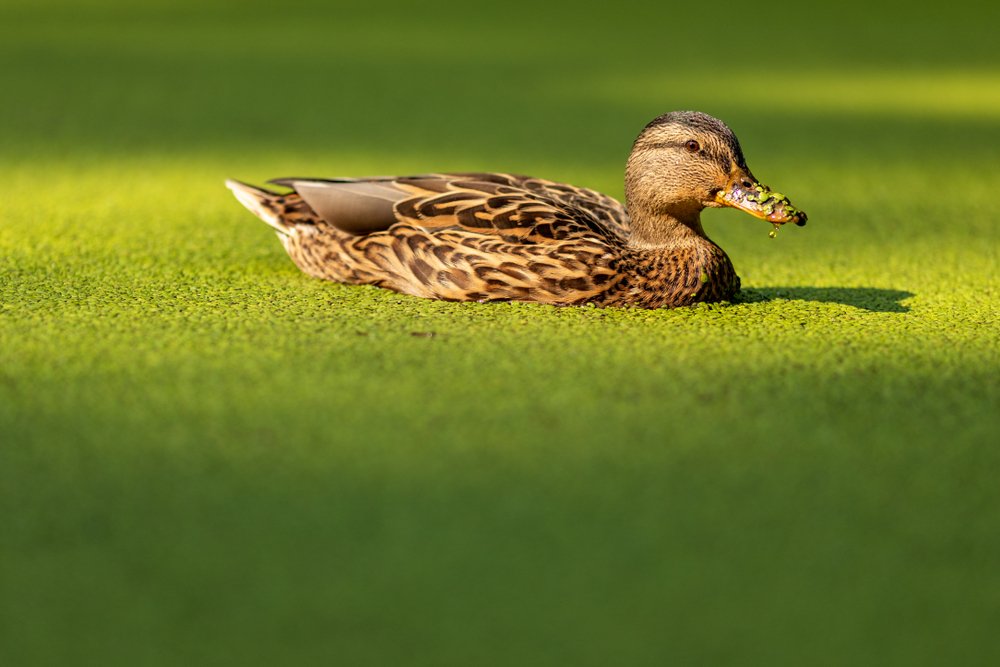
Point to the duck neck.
(664, 229)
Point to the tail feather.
(265, 204)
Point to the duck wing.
(608, 209)
(515, 208)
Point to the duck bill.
(746, 193)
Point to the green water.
(207, 457)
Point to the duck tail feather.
(259, 201)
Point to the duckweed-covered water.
(208, 458)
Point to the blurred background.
(523, 86)
(207, 457)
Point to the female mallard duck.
(499, 237)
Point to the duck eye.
(692, 146)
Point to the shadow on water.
(872, 299)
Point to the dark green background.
(208, 458)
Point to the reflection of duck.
(498, 237)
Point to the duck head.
(684, 162)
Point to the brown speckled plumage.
(501, 237)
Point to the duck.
(504, 237)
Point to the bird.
(504, 237)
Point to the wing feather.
(516, 208)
